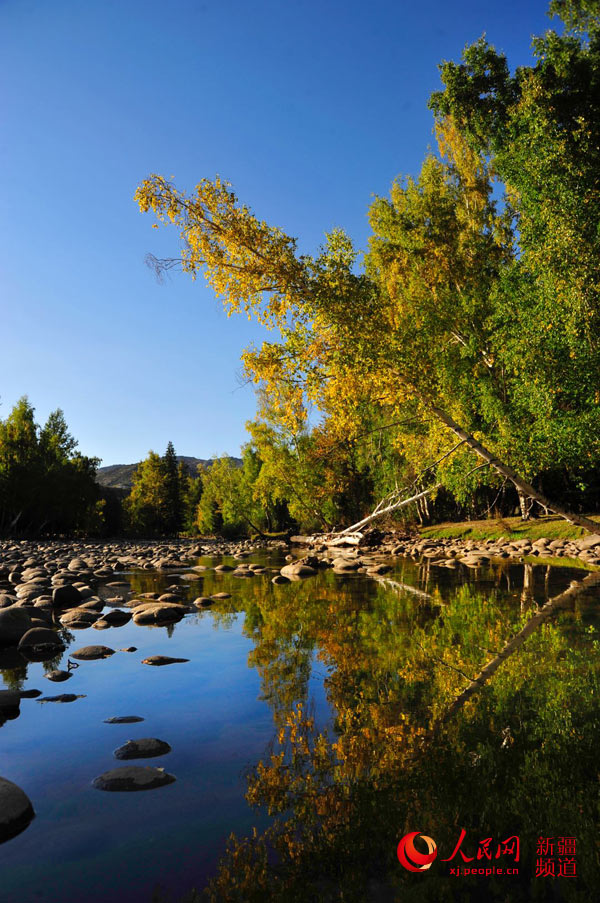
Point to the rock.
(132, 778)
(145, 748)
(65, 596)
(163, 660)
(16, 810)
(297, 570)
(589, 542)
(203, 602)
(129, 649)
(14, 624)
(378, 570)
(41, 638)
(218, 596)
(158, 613)
(79, 618)
(279, 580)
(170, 597)
(58, 676)
(90, 653)
(64, 697)
(117, 617)
(123, 719)
(77, 564)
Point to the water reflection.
(355, 674)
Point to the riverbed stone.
(79, 618)
(65, 596)
(297, 570)
(158, 613)
(123, 719)
(15, 621)
(91, 653)
(63, 697)
(158, 660)
(58, 676)
(130, 778)
(16, 810)
(144, 748)
(41, 638)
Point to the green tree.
(45, 483)
(147, 504)
(480, 319)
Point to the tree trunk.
(514, 644)
(507, 471)
(523, 505)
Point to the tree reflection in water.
(519, 758)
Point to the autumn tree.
(480, 318)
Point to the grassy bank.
(552, 527)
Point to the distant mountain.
(120, 476)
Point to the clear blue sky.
(309, 107)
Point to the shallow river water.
(374, 664)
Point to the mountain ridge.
(120, 476)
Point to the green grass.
(552, 527)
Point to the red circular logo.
(410, 857)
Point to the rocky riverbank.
(452, 552)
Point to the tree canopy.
(475, 311)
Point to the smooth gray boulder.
(58, 676)
(90, 653)
(123, 719)
(158, 660)
(16, 810)
(131, 778)
(158, 613)
(78, 618)
(144, 748)
(41, 637)
(297, 570)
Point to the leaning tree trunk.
(507, 471)
(514, 644)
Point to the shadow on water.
(312, 721)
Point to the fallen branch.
(393, 507)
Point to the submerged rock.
(130, 778)
(163, 660)
(58, 675)
(145, 748)
(123, 719)
(90, 653)
(16, 810)
(64, 697)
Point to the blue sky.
(309, 108)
